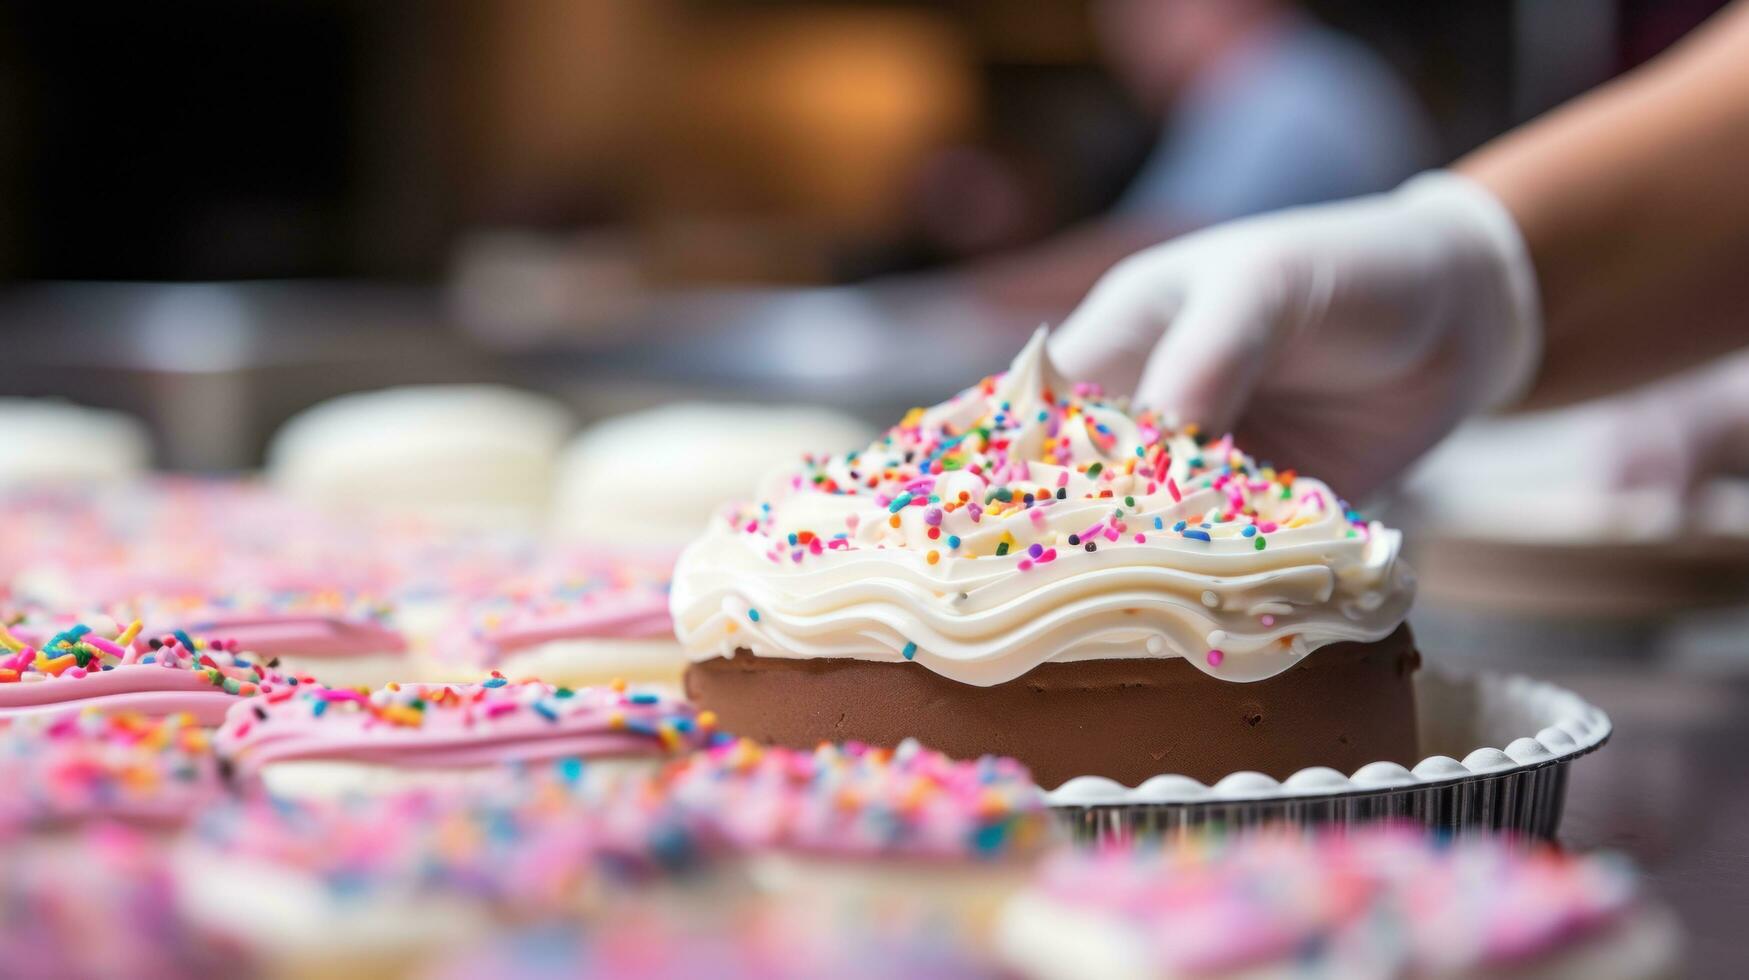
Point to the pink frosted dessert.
(906, 833)
(314, 740)
(98, 901)
(592, 626)
(859, 801)
(369, 885)
(340, 638)
(1378, 902)
(86, 548)
(67, 769)
(75, 668)
(753, 944)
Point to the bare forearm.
(1634, 202)
(1049, 278)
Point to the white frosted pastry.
(45, 441)
(655, 478)
(593, 623)
(466, 454)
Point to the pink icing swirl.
(308, 635)
(435, 726)
(623, 614)
(77, 669)
(621, 602)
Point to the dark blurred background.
(214, 214)
(726, 141)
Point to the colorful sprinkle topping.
(1024, 462)
(535, 847)
(854, 800)
(45, 668)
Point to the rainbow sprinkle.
(855, 800)
(987, 473)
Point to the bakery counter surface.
(1672, 790)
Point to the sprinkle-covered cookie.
(1389, 901)
(459, 726)
(76, 668)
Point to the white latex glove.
(1679, 433)
(1343, 339)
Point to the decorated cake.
(1032, 570)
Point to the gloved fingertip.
(1178, 408)
(1200, 383)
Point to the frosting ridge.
(77, 668)
(449, 726)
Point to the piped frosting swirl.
(1029, 520)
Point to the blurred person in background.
(1595, 248)
(1262, 107)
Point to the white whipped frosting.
(471, 456)
(837, 558)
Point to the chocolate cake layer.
(1343, 706)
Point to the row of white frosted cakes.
(470, 455)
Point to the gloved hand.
(1343, 339)
(1681, 432)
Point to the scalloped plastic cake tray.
(1529, 733)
